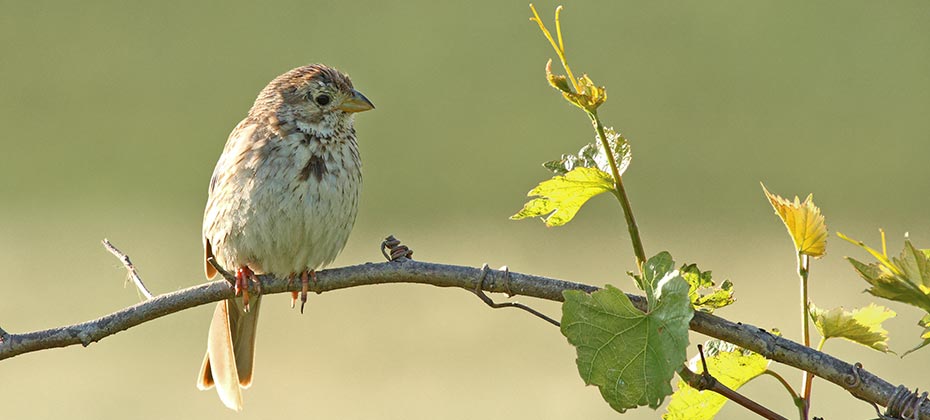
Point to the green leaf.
(657, 268)
(592, 155)
(563, 195)
(863, 326)
(630, 355)
(704, 294)
(731, 365)
(904, 278)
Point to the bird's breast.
(296, 211)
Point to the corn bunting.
(282, 201)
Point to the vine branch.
(859, 382)
(705, 381)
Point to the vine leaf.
(863, 326)
(904, 278)
(804, 221)
(592, 155)
(704, 294)
(560, 198)
(629, 355)
(733, 366)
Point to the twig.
(798, 402)
(807, 377)
(490, 302)
(705, 381)
(133, 274)
(219, 269)
(871, 388)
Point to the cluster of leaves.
(632, 354)
(905, 279)
(578, 178)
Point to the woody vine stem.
(859, 382)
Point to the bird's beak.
(357, 103)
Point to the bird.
(282, 201)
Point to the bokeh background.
(113, 114)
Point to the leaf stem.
(794, 395)
(803, 273)
(620, 193)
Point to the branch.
(858, 382)
(706, 382)
(133, 274)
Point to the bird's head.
(317, 98)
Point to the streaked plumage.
(282, 200)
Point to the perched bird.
(282, 201)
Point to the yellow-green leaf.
(560, 198)
(704, 294)
(804, 222)
(863, 326)
(904, 278)
(731, 365)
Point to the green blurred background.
(113, 115)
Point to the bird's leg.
(290, 281)
(243, 275)
(305, 278)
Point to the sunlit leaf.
(704, 294)
(904, 278)
(804, 222)
(560, 198)
(731, 365)
(629, 355)
(863, 326)
(592, 155)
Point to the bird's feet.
(243, 276)
(305, 279)
(290, 281)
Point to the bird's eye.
(322, 99)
